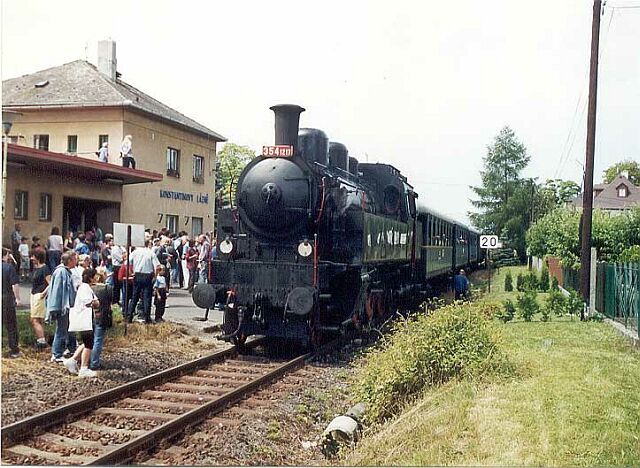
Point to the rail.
(155, 407)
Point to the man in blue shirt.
(60, 299)
(461, 285)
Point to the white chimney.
(625, 174)
(107, 62)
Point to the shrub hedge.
(457, 340)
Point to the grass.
(574, 401)
(497, 284)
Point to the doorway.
(80, 214)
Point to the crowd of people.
(89, 271)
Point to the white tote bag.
(81, 314)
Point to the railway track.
(113, 426)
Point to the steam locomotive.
(318, 242)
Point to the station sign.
(490, 242)
(277, 151)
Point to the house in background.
(619, 195)
(75, 107)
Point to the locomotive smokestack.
(287, 123)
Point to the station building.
(73, 108)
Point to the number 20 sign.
(489, 242)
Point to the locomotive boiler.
(318, 242)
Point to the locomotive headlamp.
(226, 247)
(305, 248)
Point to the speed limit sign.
(489, 242)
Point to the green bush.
(573, 303)
(527, 305)
(508, 311)
(544, 315)
(554, 283)
(556, 303)
(520, 282)
(508, 281)
(454, 341)
(544, 279)
(530, 282)
(631, 254)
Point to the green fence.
(617, 291)
(621, 293)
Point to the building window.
(173, 162)
(196, 226)
(198, 169)
(22, 205)
(172, 223)
(44, 212)
(41, 142)
(102, 139)
(72, 144)
(622, 191)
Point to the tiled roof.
(608, 198)
(80, 84)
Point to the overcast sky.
(422, 85)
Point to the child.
(25, 261)
(160, 293)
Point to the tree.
(557, 234)
(504, 201)
(552, 194)
(562, 191)
(232, 159)
(633, 167)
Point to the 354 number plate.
(277, 151)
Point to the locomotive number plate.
(277, 151)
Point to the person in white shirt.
(116, 262)
(126, 152)
(84, 262)
(144, 263)
(25, 263)
(55, 246)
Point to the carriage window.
(430, 230)
(411, 198)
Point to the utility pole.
(587, 195)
